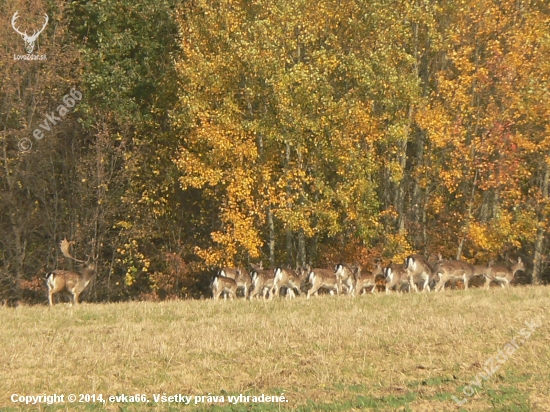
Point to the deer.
(240, 276)
(291, 279)
(365, 279)
(323, 278)
(448, 269)
(66, 280)
(418, 271)
(504, 274)
(396, 277)
(29, 40)
(262, 283)
(222, 284)
(480, 270)
(346, 274)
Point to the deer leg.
(426, 285)
(312, 291)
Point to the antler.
(64, 246)
(36, 34)
(15, 17)
(25, 35)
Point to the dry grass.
(409, 352)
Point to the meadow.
(410, 352)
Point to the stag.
(29, 40)
(66, 280)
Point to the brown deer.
(396, 278)
(262, 283)
(66, 280)
(323, 279)
(346, 273)
(291, 279)
(222, 284)
(504, 274)
(365, 279)
(482, 271)
(241, 276)
(449, 269)
(419, 272)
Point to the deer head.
(29, 40)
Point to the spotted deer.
(449, 269)
(225, 285)
(365, 279)
(59, 281)
(322, 279)
(262, 283)
(396, 278)
(419, 272)
(480, 270)
(346, 275)
(504, 274)
(291, 279)
(240, 276)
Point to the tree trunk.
(271, 243)
(537, 259)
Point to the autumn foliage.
(228, 132)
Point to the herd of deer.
(416, 273)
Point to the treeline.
(215, 133)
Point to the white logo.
(29, 40)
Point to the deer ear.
(519, 259)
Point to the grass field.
(409, 352)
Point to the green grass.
(384, 353)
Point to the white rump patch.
(389, 275)
(50, 280)
(278, 276)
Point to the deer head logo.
(29, 40)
